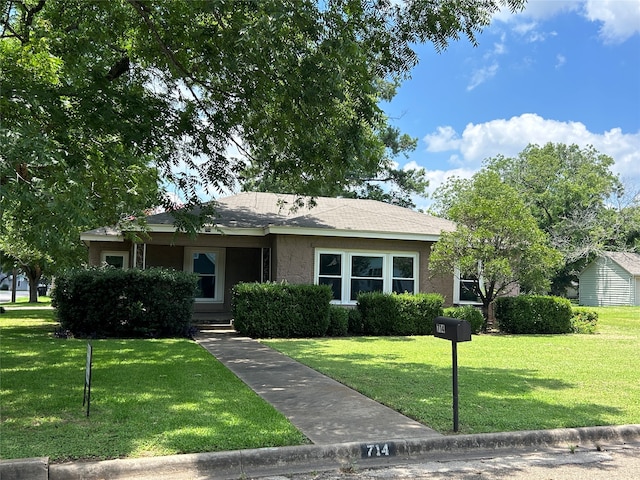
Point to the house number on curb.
(374, 450)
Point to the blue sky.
(561, 71)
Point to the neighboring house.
(6, 279)
(611, 279)
(353, 245)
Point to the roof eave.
(274, 230)
(96, 237)
(332, 232)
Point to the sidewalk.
(324, 410)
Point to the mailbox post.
(455, 330)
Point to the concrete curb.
(308, 458)
(25, 469)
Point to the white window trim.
(387, 269)
(220, 263)
(456, 290)
(115, 253)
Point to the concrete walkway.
(324, 410)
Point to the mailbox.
(455, 330)
(452, 329)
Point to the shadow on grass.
(490, 399)
(18, 314)
(148, 397)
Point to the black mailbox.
(452, 329)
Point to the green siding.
(605, 283)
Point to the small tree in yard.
(497, 243)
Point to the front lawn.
(506, 382)
(148, 397)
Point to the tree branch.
(120, 68)
(27, 20)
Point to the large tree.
(497, 243)
(390, 184)
(92, 92)
(576, 199)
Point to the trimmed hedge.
(469, 313)
(338, 321)
(584, 320)
(356, 326)
(398, 314)
(109, 302)
(281, 310)
(533, 314)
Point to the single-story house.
(353, 245)
(613, 278)
(6, 281)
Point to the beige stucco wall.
(295, 259)
(96, 249)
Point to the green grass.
(506, 382)
(148, 397)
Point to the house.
(6, 282)
(611, 279)
(353, 245)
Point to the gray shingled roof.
(274, 211)
(261, 210)
(627, 260)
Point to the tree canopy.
(576, 199)
(390, 184)
(497, 243)
(104, 104)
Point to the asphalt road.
(5, 295)
(620, 462)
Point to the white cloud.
(483, 74)
(620, 18)
(560, 60)
(531, 31)
(541, 9)
(436, 179)
(509, 137)
(442, 140)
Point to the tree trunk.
(34, 274)
(14, 281)
(486, 303)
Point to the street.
(619, 462)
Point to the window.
(209, 265)
(330, 272)
(349, 273)
(366, 275)
(467, 291)
(115, 259)
(404, 274)
(464, 290)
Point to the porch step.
(212, 321)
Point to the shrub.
(355, 321)
(110, 302)
(268, 310)
(469, 313)
(378, 312)
(533, 314)
(584, 320)
(338, 321)
(398, 314)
